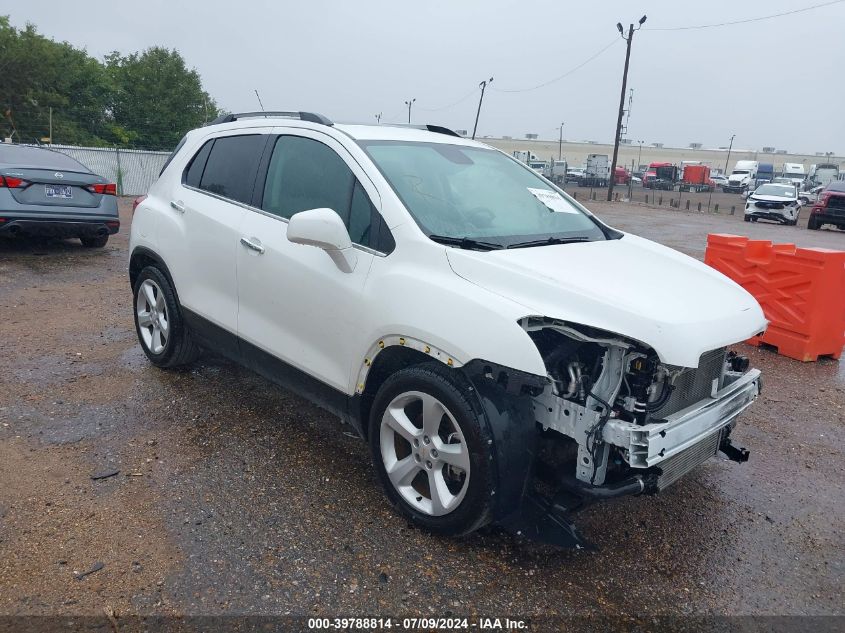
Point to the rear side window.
(193, 173)
(232, 166)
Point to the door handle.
(252, 246)
(177, 205)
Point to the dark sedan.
(46, 193)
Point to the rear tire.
(419, 416)
(158, 321)
(813, 224)
(94, 242)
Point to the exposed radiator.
(679, 465)
(694, 384)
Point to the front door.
(295, 304)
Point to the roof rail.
(438, 129)
(302, 116)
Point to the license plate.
(58, 191)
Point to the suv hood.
(633, 287)
(762, 198)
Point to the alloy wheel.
(151, 312)
(424, 453)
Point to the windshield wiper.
(549, 241)
(466, 243)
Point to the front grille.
(679, 465)
(694, 384)
(836, 202)
(769, 205)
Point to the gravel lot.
(236, 497)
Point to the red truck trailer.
(696, 178)
(621, 176)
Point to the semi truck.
(765, 173)
(742, 178)
(556, 171)
(696, 178)
(661, 176)
(794, 172)
(597, 172)
(823, 174)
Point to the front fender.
(503, 397)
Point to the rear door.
(201, 234)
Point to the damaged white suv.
(481, 329)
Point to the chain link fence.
(134, 170)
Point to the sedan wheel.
(151, 310)
(424, 453)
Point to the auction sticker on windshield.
(553, 200)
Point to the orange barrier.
(801, 291)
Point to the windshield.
(477, 193)
(739, 172)
(783, 191)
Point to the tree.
(155, 98)
(144, 100)
(39, 73)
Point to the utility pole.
(621, 101)
(51, 125)
(409, 103)
(560, 143)
(730, 147)
(640, 154)
(378, 118)
(482, 85)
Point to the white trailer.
(597, 172)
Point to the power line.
(747, 20)
(451, 105)
(566, 74)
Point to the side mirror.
(324, 229)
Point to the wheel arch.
(140, 258)
(387, 356)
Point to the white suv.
(479, 327)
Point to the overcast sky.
(775, 82)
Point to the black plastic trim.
(49, 227)
(220, 340)
(509, 413)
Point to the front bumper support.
(650, 444)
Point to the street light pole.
(560, 143)
(628, 39)
(730, 147)
(640, 154)
(409, 103)
(482, 85)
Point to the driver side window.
(306, 174)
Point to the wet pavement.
(234, 496)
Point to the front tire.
(158, 321)
(431, 451)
